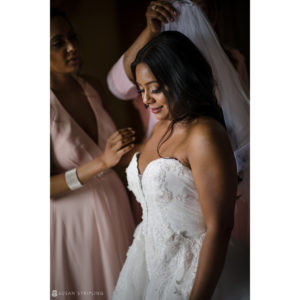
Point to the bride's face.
(151, 92)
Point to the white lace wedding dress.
(162, 261)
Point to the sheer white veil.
(231, 96)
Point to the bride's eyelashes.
(153, 91)
(156, 91)
(140, 91)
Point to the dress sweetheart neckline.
(136, 155)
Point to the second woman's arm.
(158, 13)
(118, 144)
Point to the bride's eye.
(156, 91)
(140, 91)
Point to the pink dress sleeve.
(118, 82)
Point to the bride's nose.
(147, 98)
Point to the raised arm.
(214, 171)
(118, 144)
(120, 78)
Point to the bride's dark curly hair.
(183, 75)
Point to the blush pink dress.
(92, 227)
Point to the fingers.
(124, 132)
(125, 149)
(113, 136)
(161, 10)
(122, 138)
(122, 143)
(120, 131)
(165, 9)
(164, 4)
(153, 14)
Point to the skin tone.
(151, 92)
(64, 63)
(203, 146)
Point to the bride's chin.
(161, 117)
(158, 118)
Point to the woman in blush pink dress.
(187, 17)
(91, 219)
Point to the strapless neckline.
(137, 154)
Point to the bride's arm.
(214, 171)
(158, 13)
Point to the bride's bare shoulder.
(206, 128)
(208, 135)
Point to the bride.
(185, 178)
(187, 17)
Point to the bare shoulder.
(207, 130)
(211, 159)
(208, 140)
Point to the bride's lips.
(156, 110)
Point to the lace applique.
(169, 258)
(165, 195)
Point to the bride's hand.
(117, 145)
(159, 12)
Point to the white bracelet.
(72, 180)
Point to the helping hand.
(159, 12)
(117, 145)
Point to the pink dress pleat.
(92, 227)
